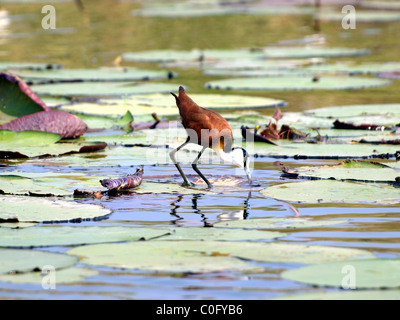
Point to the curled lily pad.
(63, 123)
(368, 274)
(45, 210)
(284, 83)
(21, 261)
(327, 191)
(17, 99)
(71, 236)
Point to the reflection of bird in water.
(237, 215)
(209, 130)
(175, 206)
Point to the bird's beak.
(248, 174)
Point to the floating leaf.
(284, 83)
(334, 112)
(6, 66)
(346, 68)
(326, 191)
(29, 144)
(102, 89)
(72, 236)
(276, 223)
(346, 295)
(65, 124)
(220, 234)
(105, 74)
(177, 255)
(296, 52)
(362, 16)
(17, 99)
(63, 276)
(45, 210)
(369, 274)
(351, 170)
(160, 256)
(20, 261)
(17, 185)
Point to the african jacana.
(209, 130)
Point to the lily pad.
(346, 295)
(63, 276)
(17, 99)
(347, 68)
(276, 223)
(168, 256)
(381, 5)
(326, 191)
(45, 210)
(101, 89)
(72, 236)
(368, 274)
(6, 66)
(350, 170)
(362, 16)
(334, 112)
(299, 150)
(89, 75)
(311, 52)
(20, 261)
(220, 234)
(284, 83)
(29, 144)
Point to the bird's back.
(204, 127)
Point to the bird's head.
(240, 158)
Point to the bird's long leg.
(194, 166)
(172, 156)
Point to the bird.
(208, 129)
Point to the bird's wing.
(217, 126)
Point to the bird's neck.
(224, 156)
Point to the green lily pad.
(284, 83)
(101, 89)
(326, 191)
(28, 209)
(388, 110)
(18, 185)
(347, 68)
(312, 52)
(350, 170)
(20, 261)
(299, 150)
(368, 274)
(89, 75)
(4, 66)
(381, 5)
(72, 236)
(29, 144)
(362, 16)
(276, 223)
(346, 295)
(63, 276)
(167, 256)
(220, 234)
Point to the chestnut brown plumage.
(209, 130)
